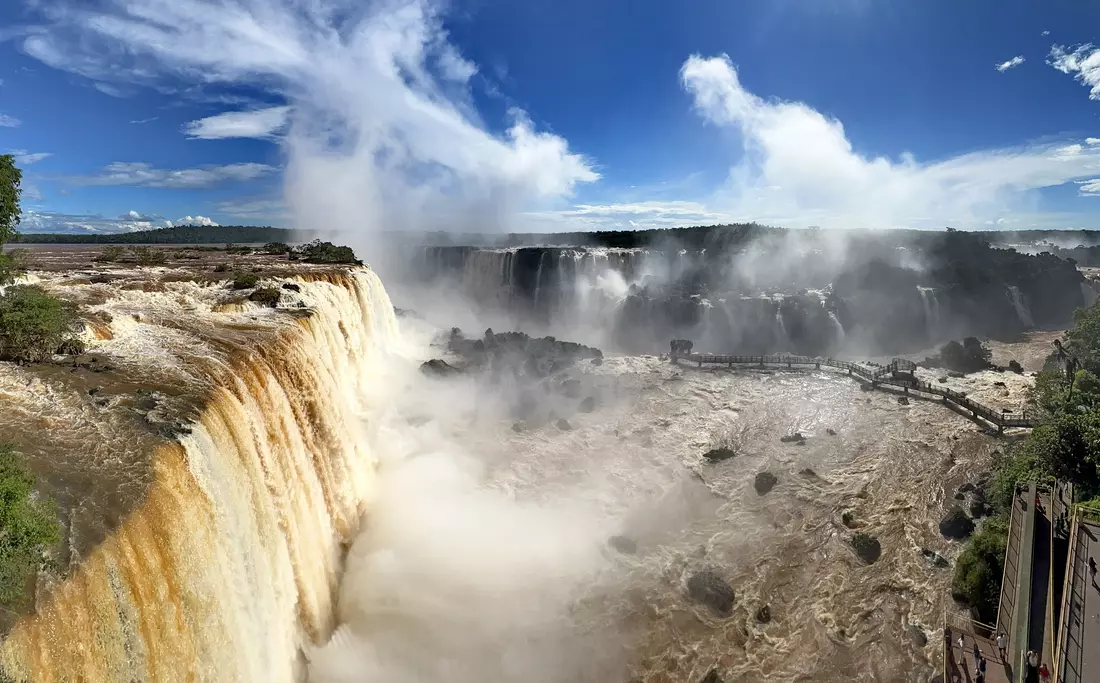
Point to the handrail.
(875, 375)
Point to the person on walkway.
(1032, 661)
(1002, 646)
(977, 653)
(979, 677)
(962, 651)
(1092, 568)
(981, 664)
(1044, 673)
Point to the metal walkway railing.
(892, 374)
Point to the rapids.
(336, 515)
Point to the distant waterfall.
(837, 328)
(1018, 303)
(931, 311)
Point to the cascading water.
(931, 312)
(1020, 305)
(230, 565)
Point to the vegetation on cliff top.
(184, 234)
(28, 527)
(1065, 446)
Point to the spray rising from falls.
(229, 567)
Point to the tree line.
(183, 234)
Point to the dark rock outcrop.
(763, 614)
(438, 368)
(712, 677)
(710, 589)
(764, 482)
(867, 547)
(719, 454)
(290, 286)
(955, 524)
(917, 636)
(934, 558)
(792, 438)
(624, 544)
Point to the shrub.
(327, 252)
(146, 256)
(244, 280)
(111, 253)
(221, 268)
(978, 571)
(237, 249)
(33, 324)
(28, 524)
(266, 296)
(276, 248)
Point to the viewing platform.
(899, 374)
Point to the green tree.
(978, 571)
(10, 214)
(28, 527)
(34, 325)
(1083, 338)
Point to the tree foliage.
(34, 325)
(327, 252)
(184, 234)
(10, 191)
(979, 570)
(1083, 338)
(28, 527)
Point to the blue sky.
(552, 115)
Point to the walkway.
(893, 374)
(1079, 642)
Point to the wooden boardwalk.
(896, 374)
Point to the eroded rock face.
(719, 454)
(712, 677)
(710, 589)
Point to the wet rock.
(438, 368)
(571, 388)
(942, 380)
(712, 677)
(956, 375)
(710, 589)
(867, 547)
(624, 544)
(564, 425)
(764, 614)
(291, 287)
(93, 391)
(998, 384)
(792, 438)
(587, 405)
(519, 427)
(765, 482)
(848, 519)
(830, 432)
(937, 560)
(807, 472)
(597, 362)
(719, 454)
(1015, 367)
(966, 488)
(917, 636)
(955, 524)
(903, 400)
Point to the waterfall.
(931, 311)
(230, 565)
(782, 339)
(838, 329)
(1022, 311)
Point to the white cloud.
(640, 215)
(798, 167)
(1015, 61)
(382, 131)
(1089, 188)
(148, 120)
(1081, 62)
(65, 223)
(197, 220)
(145, 175)
(25, 158)
(9, 121)
(1046, 33)
(1092, 141)
(260, 123)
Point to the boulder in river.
(764, 614)
(955, 524)
(712, 677)
(903, 400)
(867, 547)
(588, 405)
(624, 544)
(937, 560)
(564, 425)
(719, 454)
(712, 590)
(765, 482)
(792, 438)
(917, 635)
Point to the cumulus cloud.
(382, 127)
(196, 220)
(148, 120)
(25, 158)
(1081, 62)
(1046, 33)
(1014, 62)
(260, 123)
(798, 167)
(9, 121)
(146, 175)
(640, 215)
(79, 224)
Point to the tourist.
(981, 664)
(1002, 646)
(979, 677)
(977, 653)
(1092, 569)
(962, 651)
(1032, 660)
(1044, 673)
